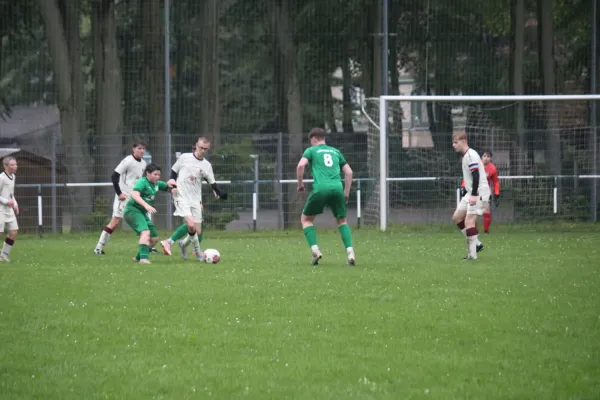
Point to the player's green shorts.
(319, 199)
(139, 221)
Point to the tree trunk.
(328, 104)
(210, 110)
(347, 105)
(517, 81)
(153, 52)
(546, 65)
(61, 21)
(283, 30)
(109, 91)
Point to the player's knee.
(153, 241)
(12, 235)
(341, 221)
(306, 220)
(114, 223)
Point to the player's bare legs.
(310, 233)
(346, 235)
(106, 234)
(9, 242)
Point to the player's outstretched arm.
(347, 180)
(300, 173)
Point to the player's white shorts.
(183, 208)
(478, 208)
(8, 221)
(119, 206)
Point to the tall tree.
(283, 32)
(210, 110)
(61, 21)
(108, 87)
(152, 35)
(547, 73)
(517, 78)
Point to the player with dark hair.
(492, 176)
(477, 194)
(139, 206)
(129, 170)
(325, 162)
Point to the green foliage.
(98, 218)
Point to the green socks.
(179, 233)
(310, 233)
(144, 251)
(182, 230)
(346, 235)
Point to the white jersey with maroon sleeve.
(471, 162)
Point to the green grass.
(409, 321)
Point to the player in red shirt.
(492, 176)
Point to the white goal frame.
(383, 134)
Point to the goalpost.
(538, 140)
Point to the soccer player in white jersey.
(475, 201)
(187, 175)
(9, 209)
(129, 170)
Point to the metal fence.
(258, 172)
(79, 80)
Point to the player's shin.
(310, 233)
(144, 251)
(104, 237)
(487, 221)
(196, 245)
(188, 239)
(181, 231)
(346, 235)
(7, 247)
(472, 242)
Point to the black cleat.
(153, 250)
(480, 247)
(99, 252)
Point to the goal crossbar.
(383, 134)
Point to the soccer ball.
(212, 256)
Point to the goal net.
(544, 147)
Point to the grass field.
(409, 321)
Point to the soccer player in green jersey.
(326, 162)
(140, 205)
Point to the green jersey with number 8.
(326, 163)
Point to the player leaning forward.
(129, 170)
(187, 174)
(325, 162)
(476, 200)
(9, 209)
